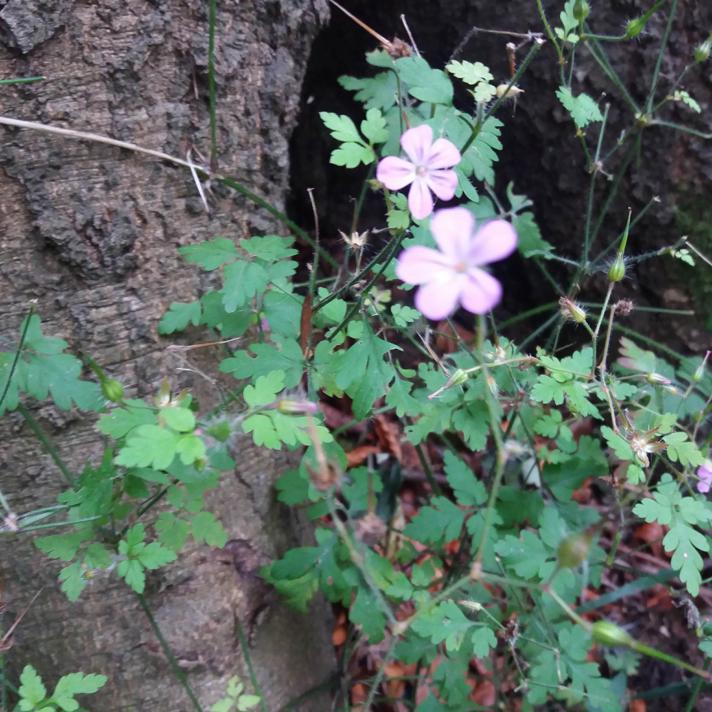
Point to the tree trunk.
(91, 233)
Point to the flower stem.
(47, 443)
(212, 22)
(175, 668)
(16, 358)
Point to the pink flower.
(452, 275)
(704, 472)
(427, 170)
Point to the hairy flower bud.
(112, 390)
(634, 27)
(572, 311)
(702, 51)
(607, 633)
(581, 10)
(616, 273)
(573, 550)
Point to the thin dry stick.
(98, 138)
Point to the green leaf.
(379, 91)
(265, 389)
(362, 370)
(243, 280)
(424, 83)
(206, 527)
(583, 108)
(271, 429)
(470, 72)
(443, 623)
(177, 418)
(373, 127)
(148, 446)
(399, 215)
(132, 572)
(530, 242)
(618, 444)
(353, 150)
(469, 491)
(680, 514)
(473, 421)
(32, 690)
(43, 370)
(72, 581)
(172, 532)
(190, 448)
(480, 157)
(483, 640)
(284, 355)
(403, 315)
(365, 612)
(436, 524)
(63, 546)
(680, 449)
(270, 248)
(210, 254)
(121, 421)
(525, 555)
(76, 683)
(155, 555)
(179, 315)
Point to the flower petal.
(418, 265)
(452, 229)
(481, 292)
(395, 173)
(442, 154)
(493, 241)
(438, 299)
(420, 201)
(442, 183)
(416, 143)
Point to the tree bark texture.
(91, 233)
(542, 155)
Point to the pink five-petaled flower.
(452, 275)
(428, 170)
(704, 472)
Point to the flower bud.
(699, 373)
(657, 379)
(634, 27)
(607, 633)
(294, 407)
(573, 550)
(581, 10)
(112, 390)
(570, 310)
(702, 51)
(616, 273)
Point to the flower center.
(461, 267)
(421, 171)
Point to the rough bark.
(541, 153)
(91, 233)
